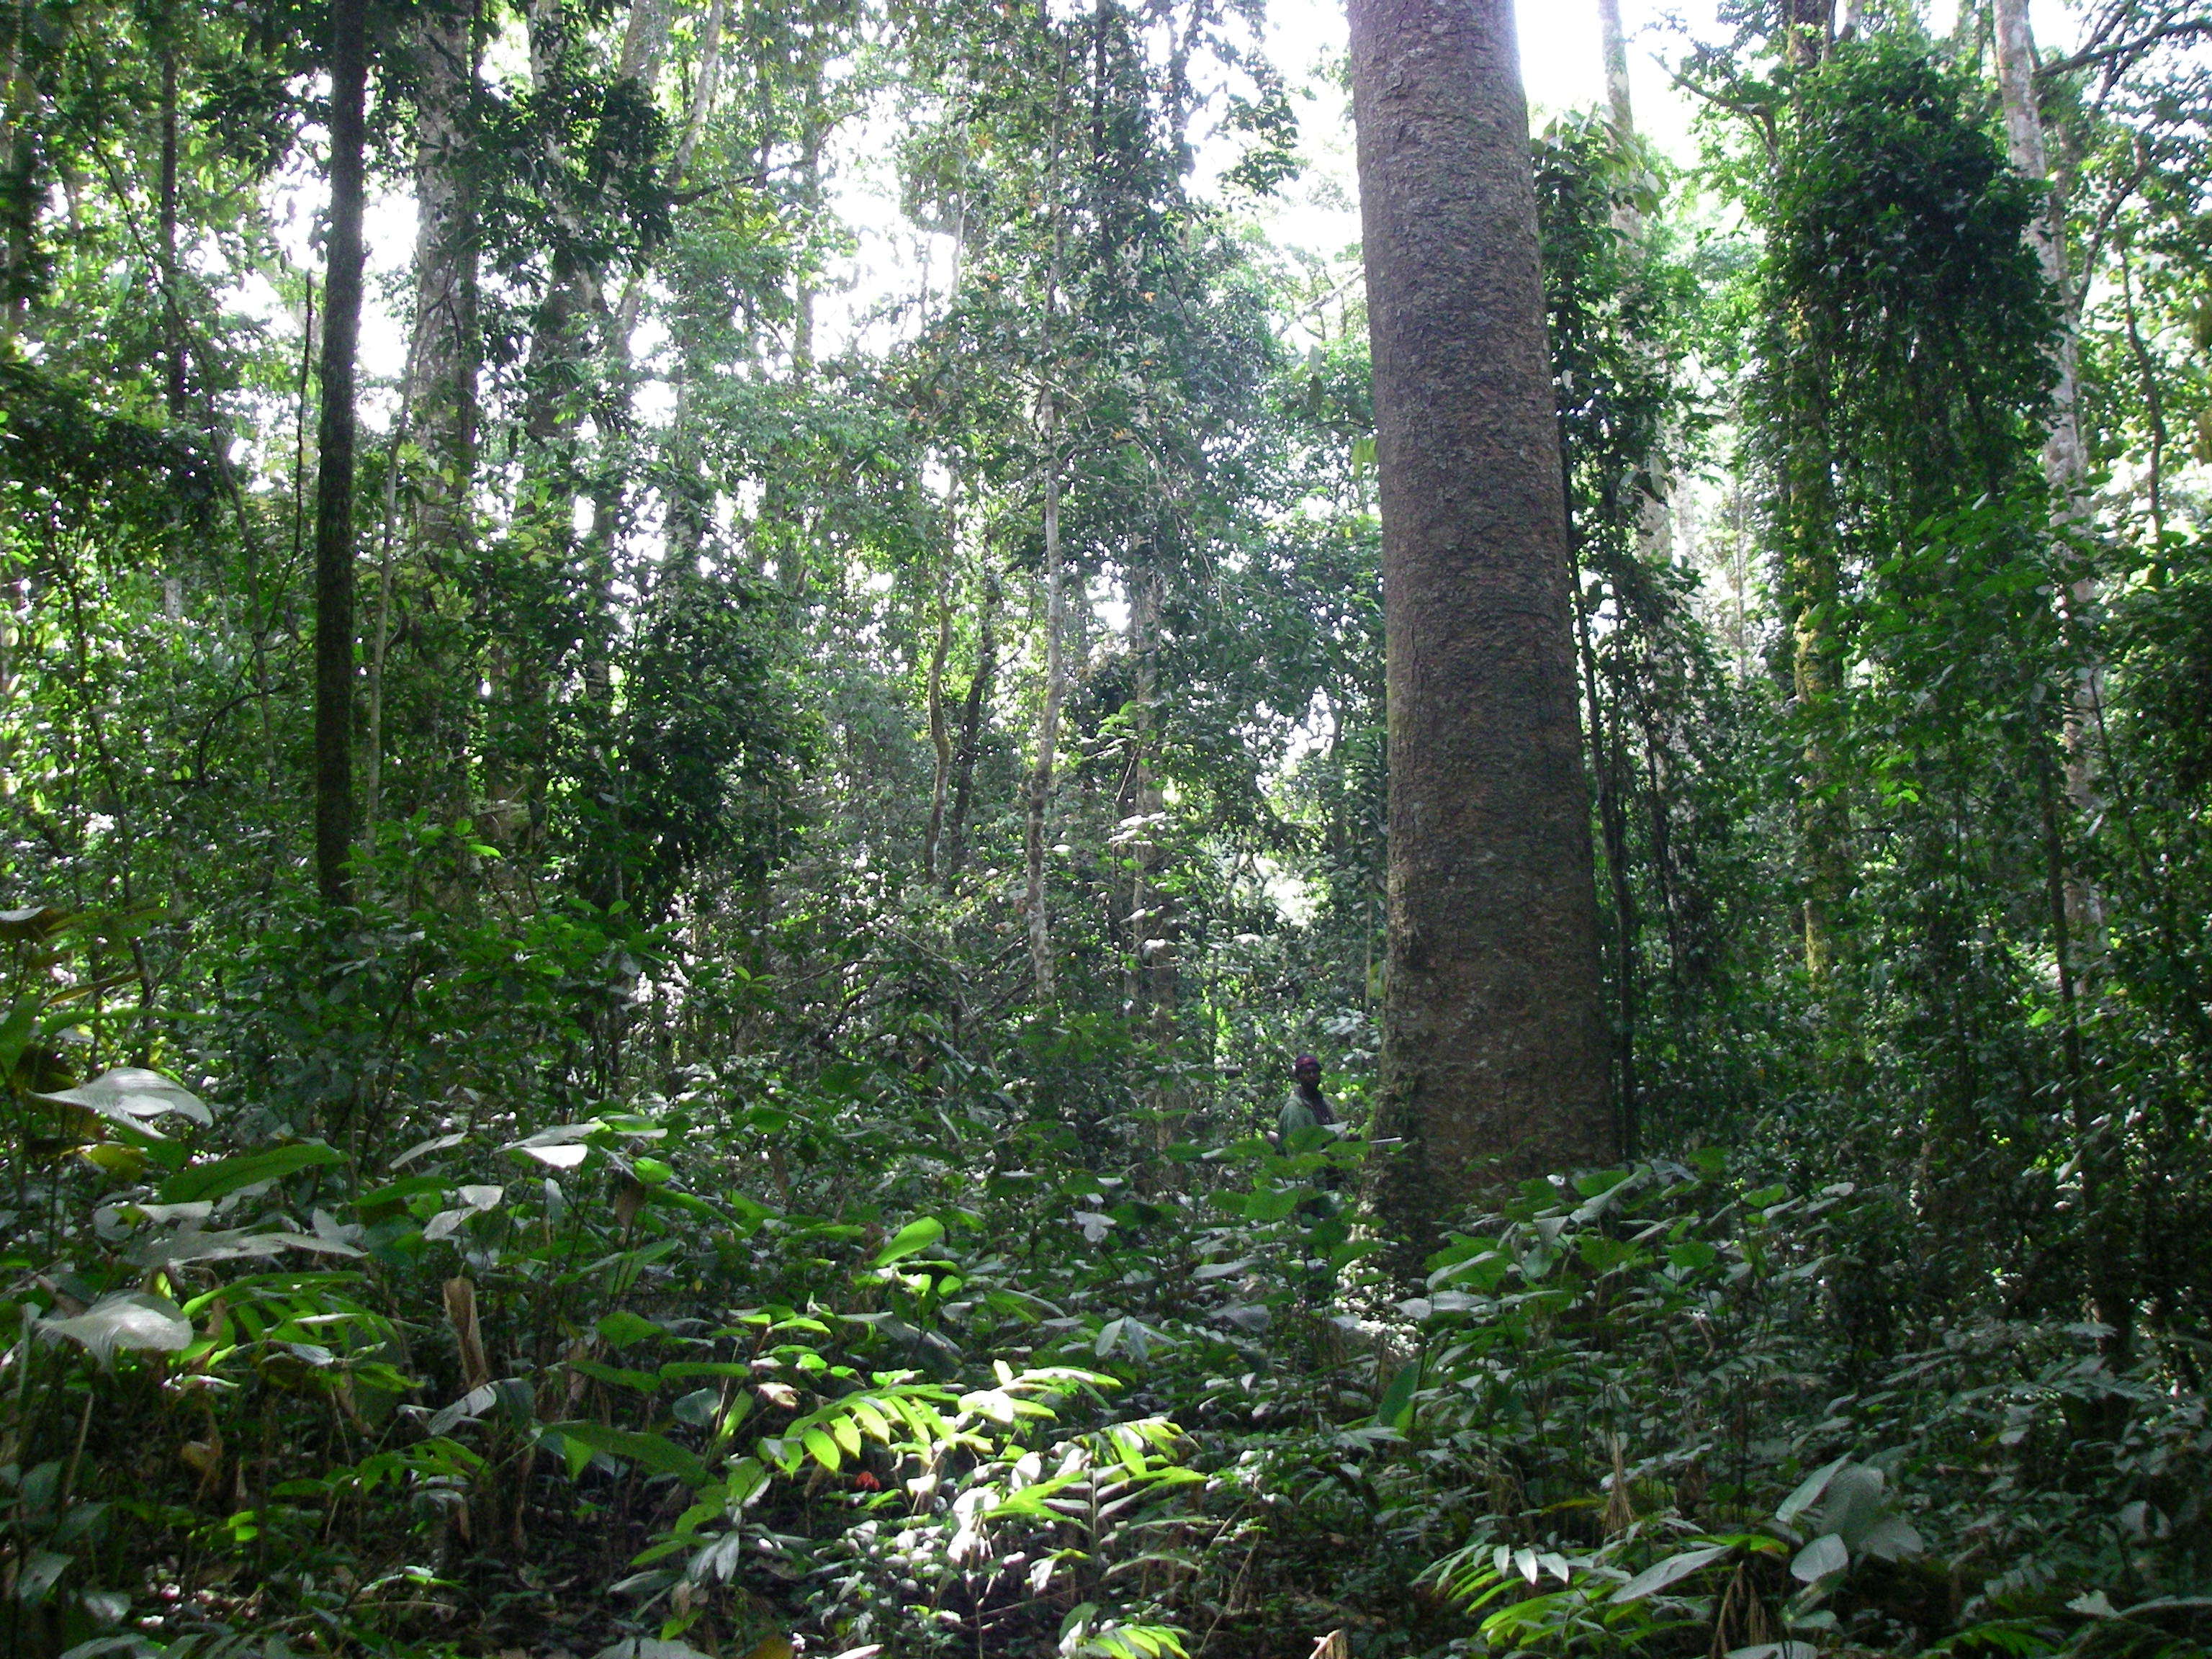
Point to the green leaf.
(1690, 1255)
(130, 1094)
(1397, 1410)
(1808, 1491)
(615, 1376)
(228, 1175)
(653, 1452)
(697, 1408)
(1602, 1254)
(622, 1328)
(15, 1032)
(918, 1235)
(131, 1321)
(1270, 1204)
(1658, 1577)
(1824, 1558)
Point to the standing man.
(1306, 1107)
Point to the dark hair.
(1304, 1061)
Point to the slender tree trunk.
(1654, 521)
(175, 393)
(1037, 912)
(380, 634)
(442, 392)
(940, 729)
(2065, 462)
(1613, 42)
(1607, 767)
(1493, 1041)
(1036, 909)
(19, 164)
(1154, 965)
(1811, 571)
(173, 315)
(975, 711)
(941, 726)
(2153, 408)
(1157, 972)
(2079, 924)
(334, 473)
(642, 48)
(372, 791)
(803, 294)
(560, 341)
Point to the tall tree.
(1613, 47)
(334, 472)
(2065, 461)
(1493, 1043)
(2065, 465)
(441, 395)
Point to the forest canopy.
(693, 713)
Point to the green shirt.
(1298, 1112)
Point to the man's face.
(1307, 1070)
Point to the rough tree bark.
(334, 470)
(1494, 1057)
(442, 389)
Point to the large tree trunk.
(334, 471)
(1494, 1058)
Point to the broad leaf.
(132, 1322)
(1808, 1491)
(126, 1094)
(1824, 1558)
(653, 1452)
(1658, 1577)
(918, 1235)
(229, 1175)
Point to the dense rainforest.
(692, 713)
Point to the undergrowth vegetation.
(879, 1354)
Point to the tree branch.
(2198, 25)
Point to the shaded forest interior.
(692, 711)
